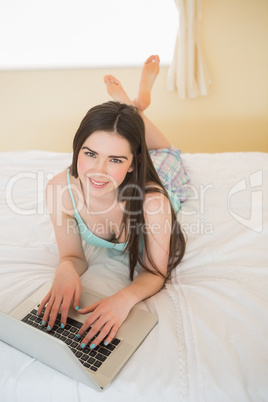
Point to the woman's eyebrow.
(90, 150)
(110, 156)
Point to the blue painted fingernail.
(37, 313)
(43, 322)
(77, 308)
(83, 345)
(48, 328)
(106, 343)
(78, 336)
(92, 346)
(62, 326)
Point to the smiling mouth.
(97, 184)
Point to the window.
(85, 33)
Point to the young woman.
(112, 185)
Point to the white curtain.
(187, 73)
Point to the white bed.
(211, 340)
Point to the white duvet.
(211, 340)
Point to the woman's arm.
(158, 229)
(109, 313)
(66, 284)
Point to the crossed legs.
(155, 139)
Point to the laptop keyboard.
(91, 359)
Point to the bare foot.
(115, 90)
(149, 73)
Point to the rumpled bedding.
(211, 340)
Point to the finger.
(77, 296)
(64, 310)
(53, 313)
(90, 308)
(112, 334)
(43, 303)
(96, 332)
(89, 322)
(105, 333)
(47, 310)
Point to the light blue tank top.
(86, 234)
(97, 241)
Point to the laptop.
(60, 348)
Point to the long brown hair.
(127, 122)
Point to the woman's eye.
(116, 161)
(90, 154)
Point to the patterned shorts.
(168, 164)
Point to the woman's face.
(103, 162)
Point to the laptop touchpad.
(87, 299)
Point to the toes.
(110, 79)
(153, 59)
(157, 59)
(149, 60)
(105, 79)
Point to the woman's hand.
(66, 286)
(107, 315)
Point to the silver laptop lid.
(44, 348)
(132, 333)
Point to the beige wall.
(42, 109)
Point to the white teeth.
(97, 184)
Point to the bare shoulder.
(58, 195)
(156, 203)
(158, 221)
(59, 179)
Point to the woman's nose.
(100, 166)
